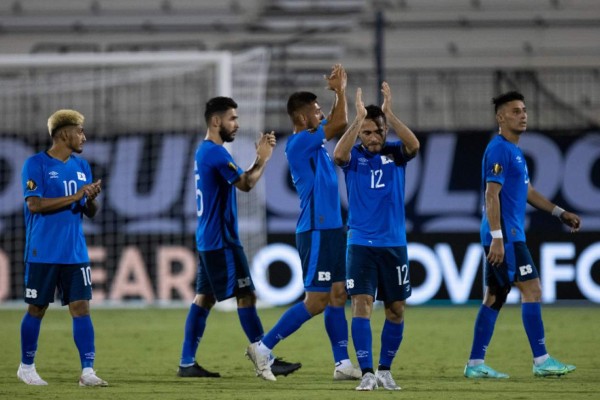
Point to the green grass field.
(138, 351)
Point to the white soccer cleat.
(91, 379)
(384, 379)
(347, 373)
(368, 382)
(262, 362)
(29, 375)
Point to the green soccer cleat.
(483, 371)
(552, 367)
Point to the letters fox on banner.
(443, 197)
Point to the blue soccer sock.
(290, 322)
(484, 329)
(337, 330)
(531, 314)
(195, 324)
(30, 332)
(391, 337)
(83, 334)
(363, 342)
(251, 323)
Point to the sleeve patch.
(232, 166)
(31, 185)
(497, 169)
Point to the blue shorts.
(72, 281)
(223, 273)
(322, 253)
(378, 271)
(518, 266)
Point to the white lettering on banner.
(548, 161)
(437, 205)
(589, 288)
(433, 278)
(169, 281)
(435, 196)
(559, 264)
(260, 267)
(578, 187)
(551, 271)
(166, 187)
(131, 278)
(459, 284)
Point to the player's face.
(75, 138)
(372, 134)
(313, 116)
(512, 117)
(229, 125)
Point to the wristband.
(557, 211)
(497, 234)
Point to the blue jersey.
(215, 172)
(314, 177)
(505, 164)
(375, 184)
(55, 237)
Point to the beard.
(226, 136)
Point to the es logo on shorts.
(31, 293)
(324, 276)
(525, 269)
(349, 283)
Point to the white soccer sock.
(87, 370)
(538, 360)
(474, 363)
(262, 349)
(343, 364)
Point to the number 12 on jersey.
(376, 176)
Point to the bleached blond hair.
(63, 118)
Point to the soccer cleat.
(552, 367)
(196, 371)
(30, 376)
(368, 382)
(262, 362)
(91, 379)
(280, 367)
(347, 373)
(483, 371)
(384, 378)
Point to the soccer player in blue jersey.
(223, 270)
(377, 260)
(508, 261)
(58, 191)
(320, 235)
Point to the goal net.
(144, 119)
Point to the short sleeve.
(32, 178)
(496, 164)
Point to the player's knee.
(500, 295)
(394, 312)
(316, 302)
(338, 295)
